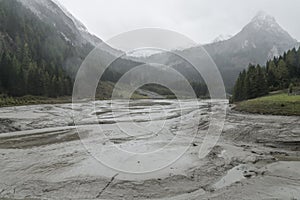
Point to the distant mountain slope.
(259, 41)
(221, 38)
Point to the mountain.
(52, 13)
(41, 38)
(65, 32)
(259, 41)
(42, 47)
(33, 54)
(56, 15)
(221, 38)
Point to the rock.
(258, 153)
(249, 174)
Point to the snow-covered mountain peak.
(264, 22)
(221, 38)
(262, 16)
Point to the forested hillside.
(40, 52)
(31, 54)
(279, 73)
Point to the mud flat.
(43, 157)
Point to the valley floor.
(43, 157)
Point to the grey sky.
(201, 20)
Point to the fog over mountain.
(260, 40)
(201, 20)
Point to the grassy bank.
(275, 104)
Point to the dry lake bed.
(42, 156)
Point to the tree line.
(36, 59)
(32, 54)
(278, 74)
(22, 76)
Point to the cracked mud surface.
(42, 156)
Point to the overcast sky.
(201, 20)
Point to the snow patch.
(65, 37)
(77, 23)
(274, 52)
(143, 53)
(221, 38)
(267, 22)
(245, 44)
(264, 17)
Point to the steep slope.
(71, 30)
(52, 13)
(42, 47)
(31, 54)
(262, 35)
(69, 34)
(259, 41)
(221, 38)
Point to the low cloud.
(201, 20)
